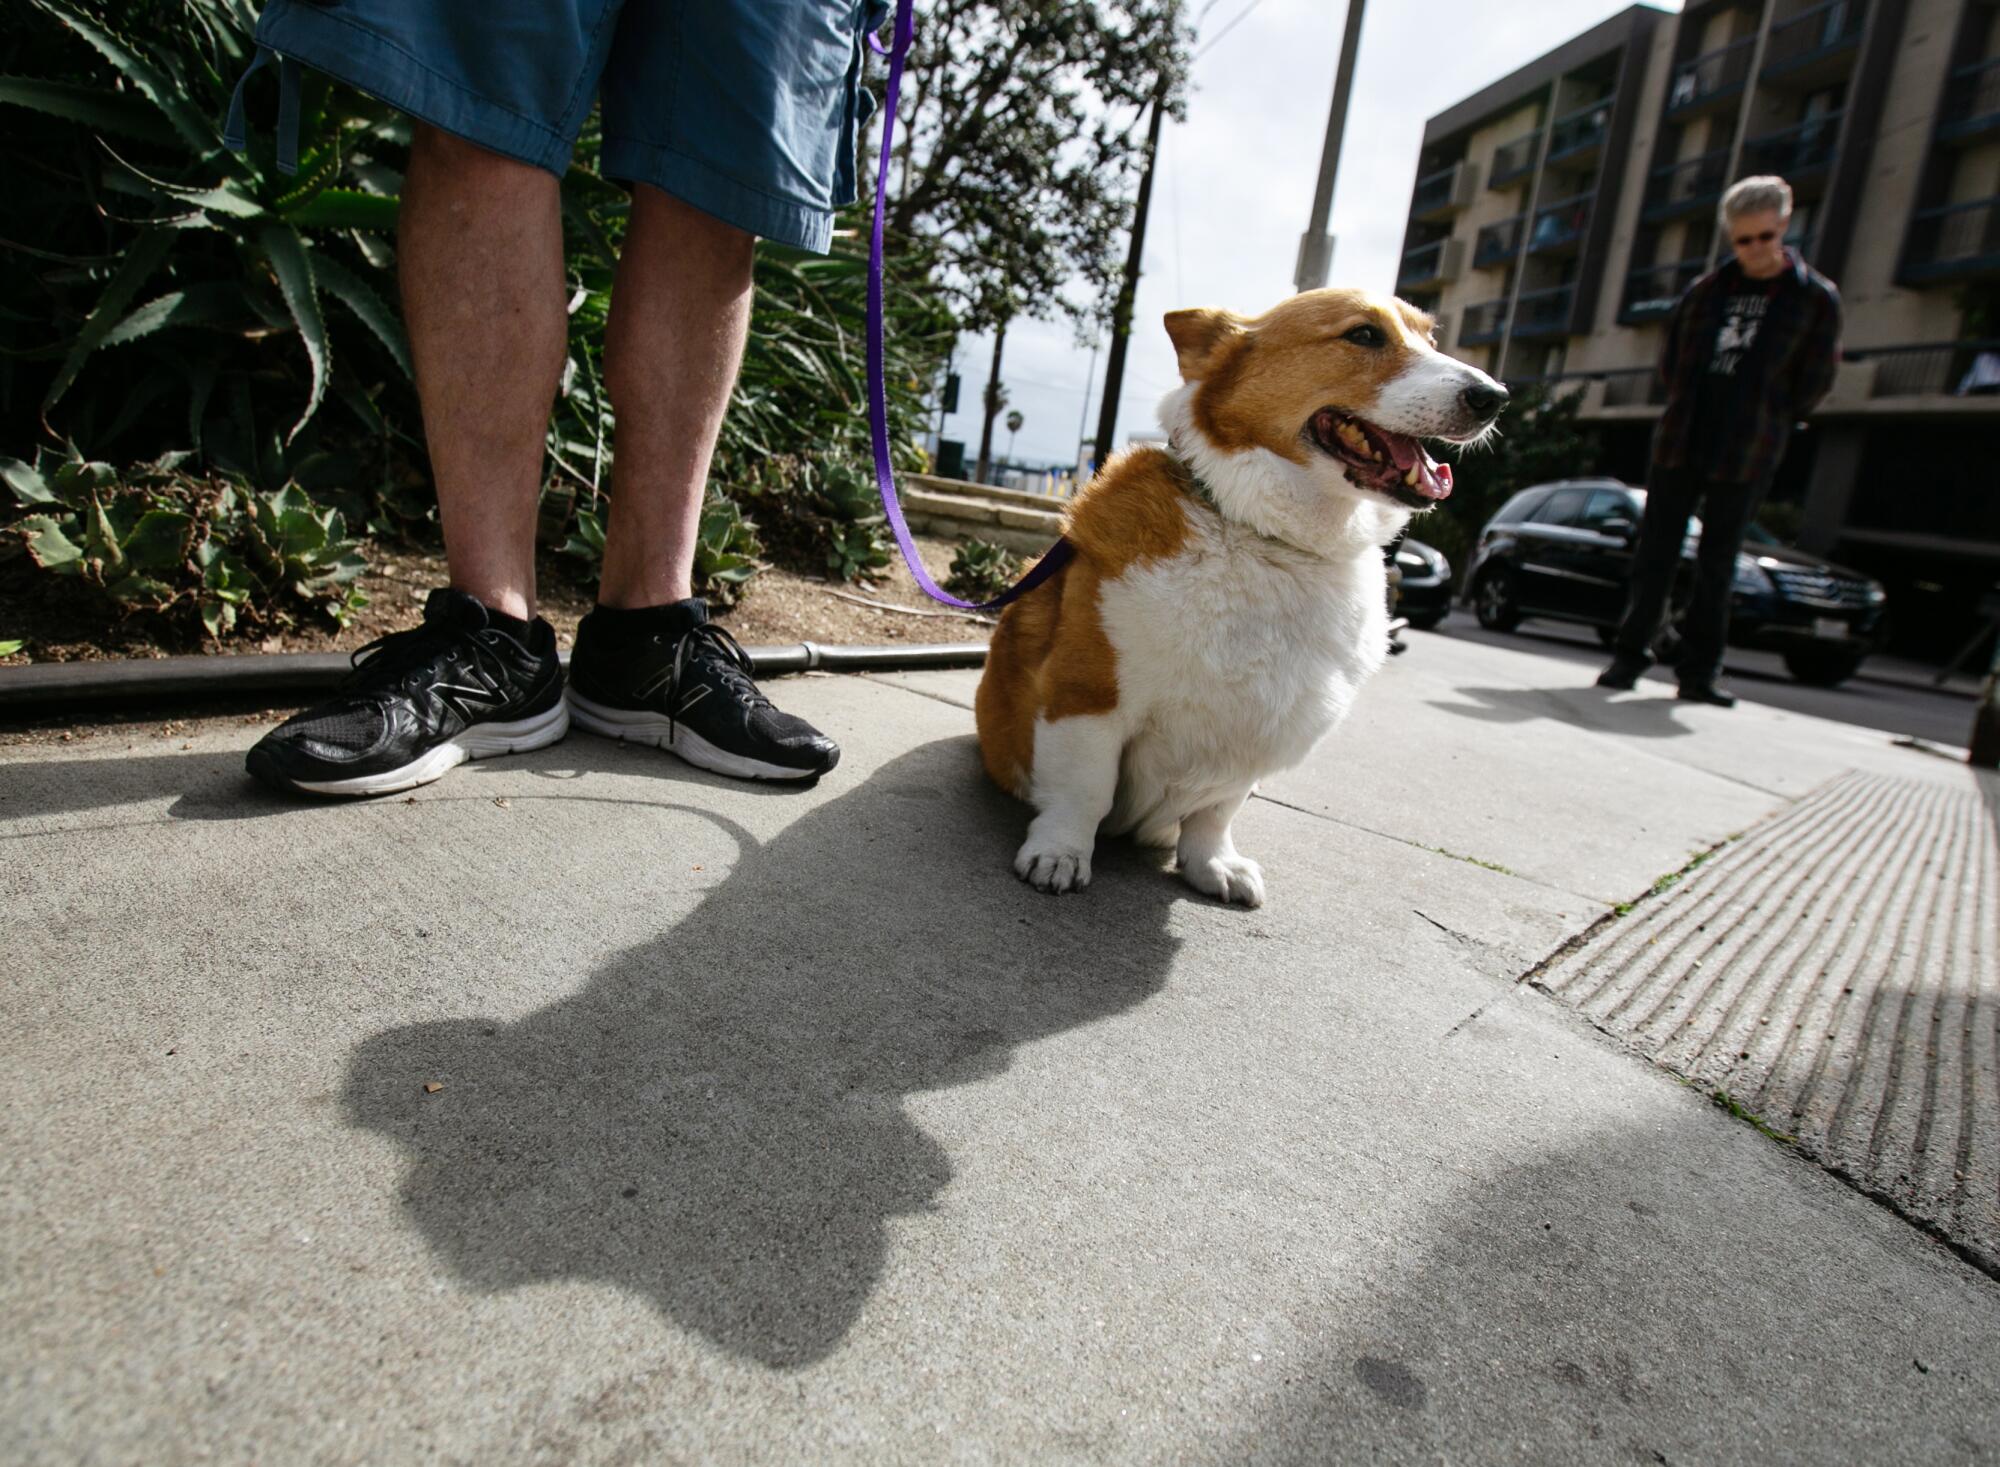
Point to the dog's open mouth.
(1390, 463)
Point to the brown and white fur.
(1191, 649)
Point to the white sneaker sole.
(481, 741)
(638, 727)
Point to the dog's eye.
(1370, 336)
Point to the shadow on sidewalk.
(1641, 717)
(1630, 1301)
(716, 1119)
(213, 785)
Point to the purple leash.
(1058, 554)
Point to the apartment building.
(1559, 213)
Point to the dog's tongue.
(1433, 478)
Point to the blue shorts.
(750, 110)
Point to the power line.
(1210, 44)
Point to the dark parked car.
(1424, 584)
(1564, 550)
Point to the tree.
(1018, 147)
(992, 400)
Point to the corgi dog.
(1227, 597)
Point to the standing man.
(729, 120)
(1750, 349)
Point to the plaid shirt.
(1782, 380)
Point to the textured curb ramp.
(1833, 973)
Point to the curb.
(51, 687)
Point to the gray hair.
(1764, 192)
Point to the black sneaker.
(421, 702)
(1623, 673)
(668, 676)
(1706, 693)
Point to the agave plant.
(165, 293)
(157, 539)
(197, 256)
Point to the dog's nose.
(1486, 400)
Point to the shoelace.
(732, 666)
(394, 653)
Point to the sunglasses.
(1749, 239)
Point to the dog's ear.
(1201, 337)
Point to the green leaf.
(136, 590)
(198, 305)
(29, 487)
(140, 260)
(300, 534)
(287, 254)
(8, 649)
(101, 539)
(353, 292)
(197, 130)
(224, 200)
(160, 540)
(346, 208)
(317, 169)
(128, 116)
(48, 545)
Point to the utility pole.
(1121, 315)
(1316, 245)
(1089, 381)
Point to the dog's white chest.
(1235, 658)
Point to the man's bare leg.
(645, 668)
(679, 313)
(481, 249)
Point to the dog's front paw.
(1232, 878)
(1052, 867)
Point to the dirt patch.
(64, 621)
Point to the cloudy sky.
(1235, 184)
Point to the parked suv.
(1564, 551)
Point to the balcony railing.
(1441, 192)
(1580, 131)
(1971, 105)
(1795, 151)
(1484, 322)
(1560, 225)
(1823, 30)
(1544, 312)
(1946, 368)
(1956, 242)
(1634, 387)
(1511, 160)
(1652, 291)
(1681, 188)
(1498, 243)
(1710, 77)
(1422, 265)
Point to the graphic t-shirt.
(1737, 339)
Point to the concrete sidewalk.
(787, 1126)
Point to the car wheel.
(1493, 601)
(1822, 669)
(1426, 621)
